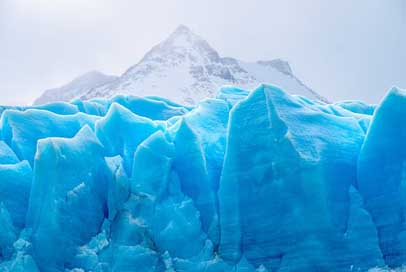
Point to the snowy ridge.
(75, 88)
(186, 69)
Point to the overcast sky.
(343, 49)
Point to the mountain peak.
(180, 45)
(183, 37)
(279, 64)
(185, 68)
(183, 29)
(89, 76)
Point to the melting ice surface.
(244, 182)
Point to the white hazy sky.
(344, 49)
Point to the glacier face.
(259, 181)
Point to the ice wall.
(259, 181)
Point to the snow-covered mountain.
(76, 88)
(186, 69)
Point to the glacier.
(245, 181)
